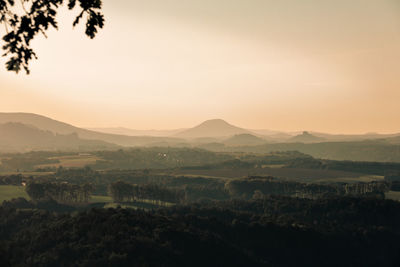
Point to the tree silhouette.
(24, 21)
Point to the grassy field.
(293, 174)
(8, 192)
(395, 195)
(100, 199)
(74, 161)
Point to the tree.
(24, 21)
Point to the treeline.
(150, 185)
(13, 179)
(126, 192)
(195, 188)
(60, 192)
(257, 187)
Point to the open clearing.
(74, 161)
(395, 195)
(293, 174)
(8, 192)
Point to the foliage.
(60, 192)
(37, 17)
(275, 231)
(121, 191)
(246, 188)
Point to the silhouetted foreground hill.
(275, 231)
(15, 137)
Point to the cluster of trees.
(195, 188)
(258, 186)
(60, 192)
(13, 179)
(121, 191)
(25, 19)
(276, 231)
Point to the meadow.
(8, 192)
(71, 161)
(290, 174)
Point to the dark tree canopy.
(25, 20)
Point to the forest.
(271, 231)
(199, 133)
(97, 215)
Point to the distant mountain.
(244, 140)
(133, 132)
(18, 137)
(212, 128)
(47, 124)
(306, 137)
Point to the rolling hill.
(18, 137)
(134, 132)
(306, 137)
(244, 140)
(47, 124)
(216, 128)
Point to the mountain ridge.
(55, 126)
(18, 137)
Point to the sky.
(329, 66)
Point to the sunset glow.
(330, 66)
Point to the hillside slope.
(212, 128)
(18, 137)
(48, 124)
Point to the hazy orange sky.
(331, 66)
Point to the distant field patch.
(361, 179)
(273, 166)
(8, 192)
(146, 204)
(394, 195)
(73, 161)
(100, 199)
(295, 174)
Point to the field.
(8, 192)
(293, 174)
(395, 195)
(73, 161)
(100, 199)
